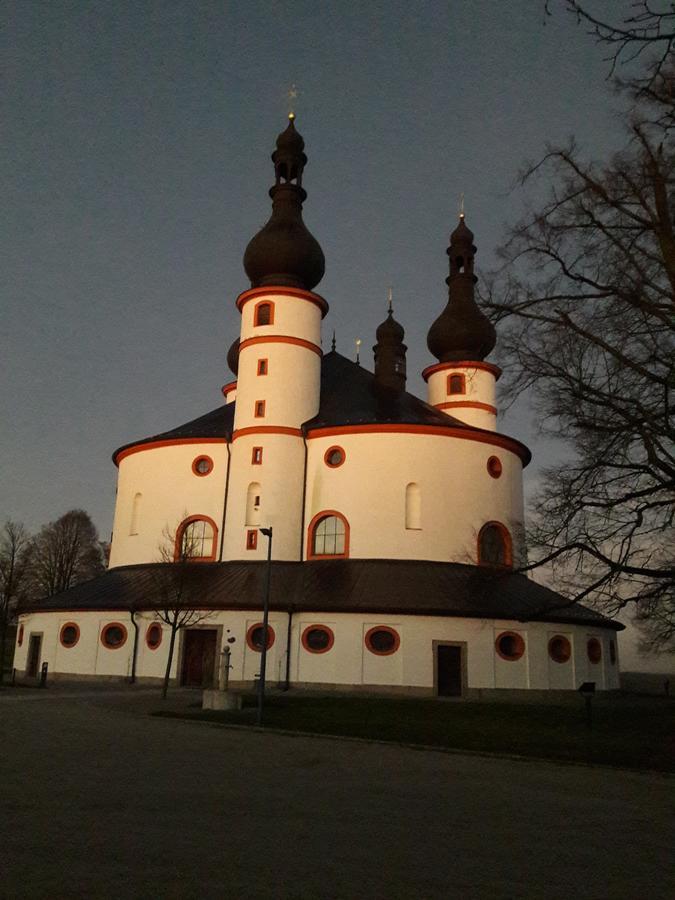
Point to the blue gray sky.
(137, 168)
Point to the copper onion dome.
(284, 252)
(462, 331)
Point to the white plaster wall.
(293, 316)
(280, 479)
(458, 494)
(480, 388)
(170, 492)
(347, 663)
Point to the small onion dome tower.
(390, 363)
(462, 384)
(284, 252)
(278, 370)
(230, 389)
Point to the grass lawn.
(628, 731)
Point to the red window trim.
(392, 631)
(254, 452)
(179, 538)
(310, 536)
(19, 637)
(252, 539)
(326, 630)
(256, 313)
(153, 626)
(567, 649)
(105, 630)
(448, 384)
(263, 364)
(494, 467)
(197, 460)
(259, 409)
(328, 453)
(77, 634)
(520, 645)
(271, 636)
(507, 546)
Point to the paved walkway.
(98, 800)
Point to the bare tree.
(14, 542)
(586, 305)
(64, 553)
(176, 592)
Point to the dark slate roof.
(398, 587)
(349, 396)
(217, 423)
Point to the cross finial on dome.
(358, 350)
(292, 97)
(332, 343)
(461, 206)
(390, 299)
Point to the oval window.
(317, 639)
(382, 640)
(254, 637)
(334, 457)
(114, 636)
(202, 465)
(153, 636)
(494, 466)
(594, 650)
(70, 634)
(559, 649)
(510, 645)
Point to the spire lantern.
(389, 351)
(283, 252)
(462, 331)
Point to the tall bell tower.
(278, 368)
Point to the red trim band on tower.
(469, 404)
(266, 429)
(272, 291)
(280, 339)
(461, 364)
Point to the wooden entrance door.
(34, 647)
(199, 657)
(449, 668)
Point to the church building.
(397, 524)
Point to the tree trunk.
(3, 643)
(172, 643)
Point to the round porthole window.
(594, 650)
(153, 636)
(559, 649)
(334, 457)
(494, 467)
(114, 636)
(202, 465)
(382, 641)
(317, 639)
(510, 645)
(69, 635)
(254, 637)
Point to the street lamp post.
(266, 612)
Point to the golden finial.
(461, 206)
(390, 299)
(292, 97)
(358, 348)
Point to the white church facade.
(398, 523)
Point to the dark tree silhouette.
(14, 543)
(64, 553)
(586, 305)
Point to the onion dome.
(461, 331)
(284, 252)
(390, 362)
(233, 357)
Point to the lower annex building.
(397, 523)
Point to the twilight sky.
(137, 168)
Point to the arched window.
(196, 539)
(456, 384)
(413, 506)
(494, 545)
(328, 535)
(253, 504)
(264, 314)
(135, 514)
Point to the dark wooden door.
(449, 663)
(34, 647)
(199, 657)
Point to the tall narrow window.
(262, 367)
(135, 514)
(413, 507)
(328, 535)
(256, 456)
(196, 539)
(264, 314)
(494, 545)
(259, 409)
(456, 384)
(253, 504)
